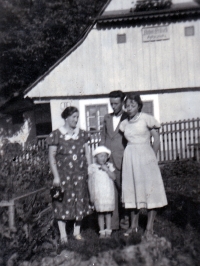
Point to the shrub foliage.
(35, 34)
(36, 234)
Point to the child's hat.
(101, 149)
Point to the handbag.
(57, 193)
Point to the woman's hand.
(56, 181)
(156, 140)
(53, 165)
(91, 201)
(87, 154)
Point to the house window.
(148, 107)
(43, 119)
(121, 38)
(95, 115)
(189, 31)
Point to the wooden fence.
(179, 140)
(25, 173)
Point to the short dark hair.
(117, 94)
(70, 110)
(135, 97)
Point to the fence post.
(11, 215)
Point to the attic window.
(121, 38)
(189, 31)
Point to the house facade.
(155, 53)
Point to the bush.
(22, 172)
(177, 225)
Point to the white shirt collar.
(64, 131)
(116, 120)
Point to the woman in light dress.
(142, 184)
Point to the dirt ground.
(176, 240)
(172, 245)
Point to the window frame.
(98, 128)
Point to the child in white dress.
(101, 188)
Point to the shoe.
(102, 234)
(108, 233)
(79, 237)
(131, 231)
(149, 234)
(63, 244)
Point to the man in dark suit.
(114, 140)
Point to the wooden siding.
(100, 65)
(178, 106)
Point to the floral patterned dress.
(72, 169)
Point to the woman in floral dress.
(68, 163)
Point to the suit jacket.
(114, 139)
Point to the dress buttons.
(74, 157)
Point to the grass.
(177, 226)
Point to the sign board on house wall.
(158, 33)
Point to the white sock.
(102, 232)
(108, 231)
(77, 229)
(62, 230)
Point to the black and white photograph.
(99, 132)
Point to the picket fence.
(179, 140)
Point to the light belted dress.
(142, 184)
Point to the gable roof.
(79, 42)
(104, 20)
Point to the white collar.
(117, 117)
(64, 131)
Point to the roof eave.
(181, 12)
